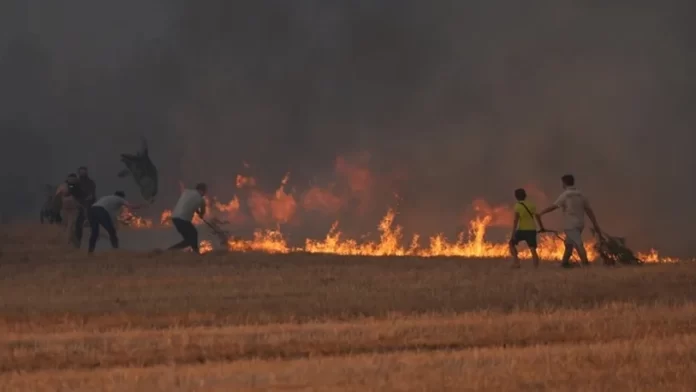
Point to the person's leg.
(575, 237)
(582, 252)
(180, 227)
(108, 224)
(94, 229)
(568, 251)
(192, 236)
(79, 225)
(513, 250)
(70, 217)
(530, 237)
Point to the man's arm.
(547, 210)
(556, 205)
(590, 214)
(540, 224)
(201, 211)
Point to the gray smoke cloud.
(467, 99)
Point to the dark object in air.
(613, 250)
(143, 171)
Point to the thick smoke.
(465, 98)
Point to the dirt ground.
(130, 321)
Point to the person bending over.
(104, 213)
(191, 201)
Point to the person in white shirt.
(574, 206)
(190, 202)
(104, 212)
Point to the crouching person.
(103, 213)
(190, 202)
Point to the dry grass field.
(126, 321)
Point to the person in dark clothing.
(104, 213)
(191, 201)
(88, 186)
(89, 189)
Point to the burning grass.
(126, 321)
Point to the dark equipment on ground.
(613, 250)
(223, 235)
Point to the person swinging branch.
(191, 201)
(574, 206)
(104, 212)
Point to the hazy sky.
(464, 99)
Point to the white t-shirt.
(573, 204)
(189, 202)
(112, 204)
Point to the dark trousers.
(188, 232)
(98, 216)
(80, 224)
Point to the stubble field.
(127, 321)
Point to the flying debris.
(143, 171)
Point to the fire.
(499, 216)
(271, 210)
(231, 209)
(243, 182)
(652, 256)
(269, 241)
(323, 200)
(205, 246)
(471, 244)
(283, 205)
(129, 219)
(166, 218)
(278, 208)
(359, 179)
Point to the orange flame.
(276, 209)
(244, 182)
(166, 218)
(205, 246)
(323, 200)
(280, 208)
(129, 219)
(231, 209)
(268, 241)
(499, 216)
(359, 177)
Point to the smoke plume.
(451, 101)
